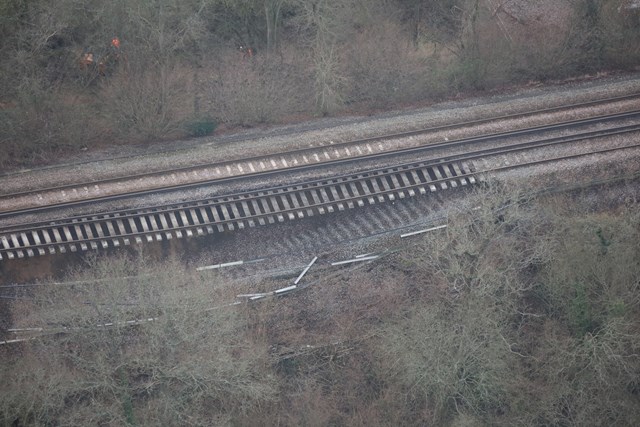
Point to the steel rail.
(382, 155)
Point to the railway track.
(270, 205)
(308, 162)
(16, 202)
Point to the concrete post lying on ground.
(305, 270)
(423, 231)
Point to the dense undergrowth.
(176, 70)
(521, 312)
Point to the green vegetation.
(201, 127)
(176, 62)
(518, 313)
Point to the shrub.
(43, 121)
(381, 68)
(260, 89)
(147, 101)
(201, 127)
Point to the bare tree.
(133, 341)
(326, 24)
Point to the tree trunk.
(272, 15)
